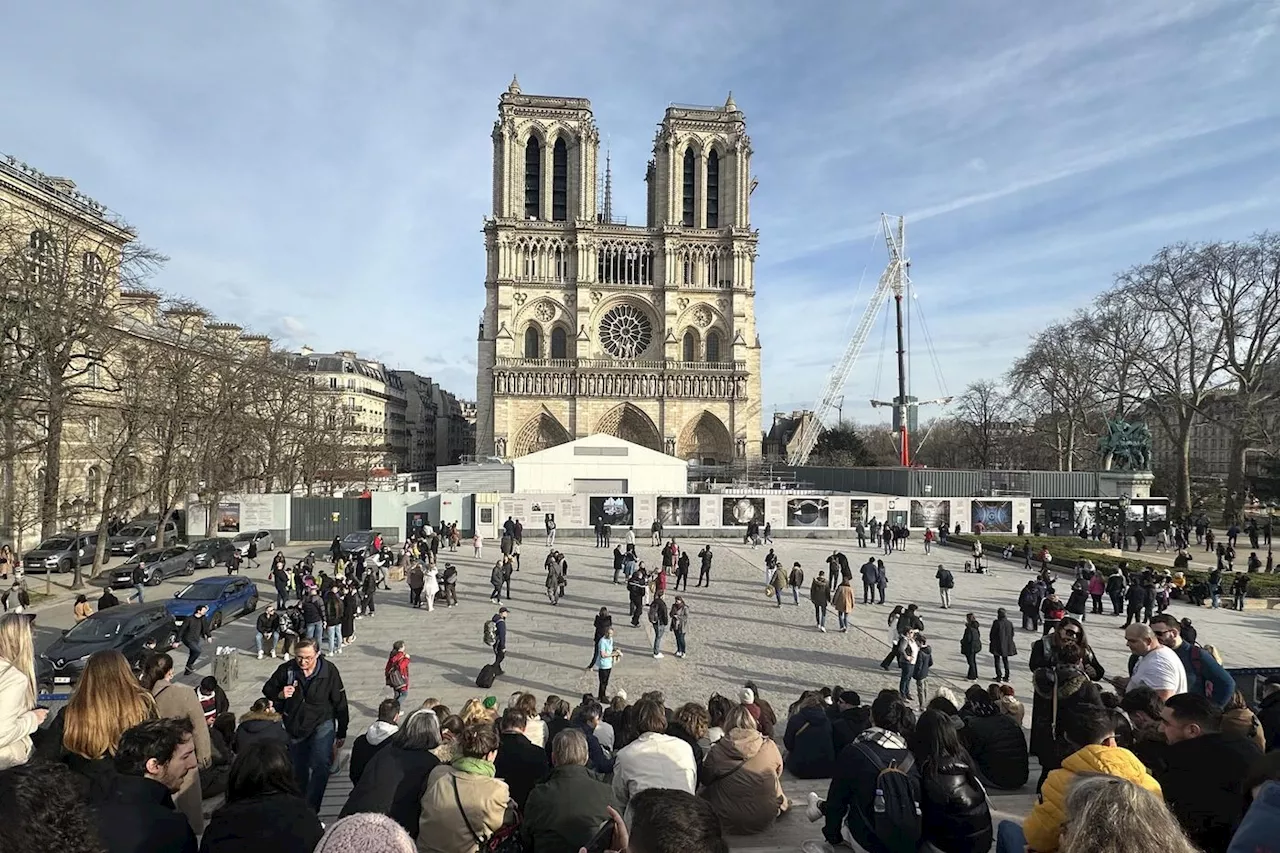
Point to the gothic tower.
(592, 325)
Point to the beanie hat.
(621, 694)
(366, 833)
(746, 696)
(491, 702)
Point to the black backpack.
(946, 580)
(895, 808)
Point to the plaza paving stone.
(735, 634)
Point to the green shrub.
(1067, 556)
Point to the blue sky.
(318, 170)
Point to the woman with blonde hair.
(106, 703)
(474, 711)
(741, 776)
(1107, 814)
(180, 702)
(19, 716)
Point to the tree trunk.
(1236, 484)
(50, 489)
(1071, 446)
(1182, 498)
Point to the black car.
(359, 542)
(209, 553)
(135, 630)
(157, 564)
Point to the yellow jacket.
(1043, 826)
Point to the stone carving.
(546, 311)
(682, 303)
(500, 446)
(702, 316)
(1126, 446)
(640, 385)
(519, 298)
(596, 296)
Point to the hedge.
(1067, 554)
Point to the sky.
(319, 170)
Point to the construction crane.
(892, 280)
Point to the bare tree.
(1056, 388)
(983, 418)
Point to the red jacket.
(400, 661)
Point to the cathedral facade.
(592, 325)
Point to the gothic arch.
(705, 438)
(689, 344)
(539, 433)
(630, 424)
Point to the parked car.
(226, 598)
(61, 553)
(208, 553)
(266, 542)
(158, 564)
(135, 630)
(141, 536)
(359, 542)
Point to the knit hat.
(490, 702)
(620, 694)
(850, 697)
(366, 833)
(746, 696)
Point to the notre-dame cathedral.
(592, 325)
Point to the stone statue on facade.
(1125, 446)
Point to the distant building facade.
(373, 400)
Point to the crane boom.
(891, 281)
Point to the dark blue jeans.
(312, 756)
(194, 648)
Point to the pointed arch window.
(690, 347)
(560, 181)
(689, 185)
(559, 343)
(532, 343)
(713, 347)
(41, 255)
(92, 270)
(713, 189)
(561, 267)
(532, 179)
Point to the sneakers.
(679, 654)
(811, 809)
(658, 656)
(260, 654)
(273, 652)
(822, 628)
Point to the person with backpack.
(396, 673)
(449, 583)
(946, 583)
(1029, 605)
(874, 795)
(955, 815)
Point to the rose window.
(625, 332)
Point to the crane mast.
(892, 281)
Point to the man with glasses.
(1205, 676)
(1157, 667)
(308, 692)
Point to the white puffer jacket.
(17, 720)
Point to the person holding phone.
(19, 714)
(606, 656)
(309, 694)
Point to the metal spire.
(608, 187)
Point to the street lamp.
(1271, 509)
(1124, 522)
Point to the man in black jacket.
(1269, 712)
(852, 719)
(520, 764)
(134, 806)
(704, 566)
(195, 629)
(1203, 769)
(308, 692)
(368, 744)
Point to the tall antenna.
(608, 186)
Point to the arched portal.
(705, 439)
(630, 424)
(539, 433)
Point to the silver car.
(266, 542)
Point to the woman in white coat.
(430, 586)
(19, 716)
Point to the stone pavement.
(735, 634)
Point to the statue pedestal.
(1135, 484)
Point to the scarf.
(478, 766)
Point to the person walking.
(495, 580)
(796, 580)
(430, 586)
(313, 617)
(449, 581)
(971, 644)
(333, 620)
(549, 521)
(500, 638)
(682, 571)
(606, 656)
(659, 618)
(396, 673)
(139, 579)
(704, 565)
(416, 579)
(637, 585)
(195, 630)
(776, 582)
(679, 624)
(946, 582)
(820, 595)
(309, 694)
(843, 603)
(1002, 646)
(251, 553)
(280, 579)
